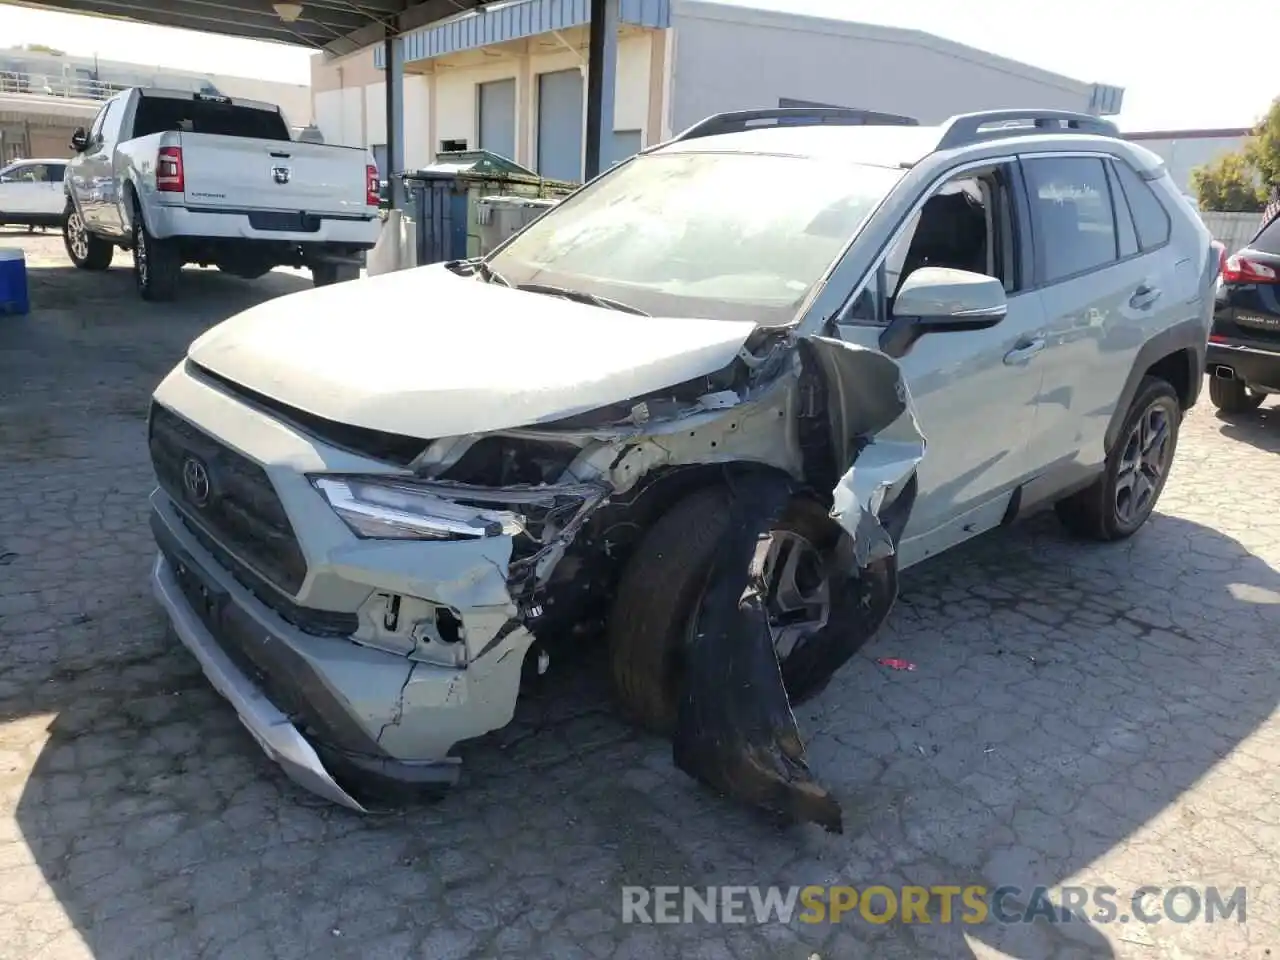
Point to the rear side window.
(173, 114)
(1072, 217)
(1149, 215)
(56, 172)
(1268, 240)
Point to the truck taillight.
(169, 177)
(373, 189)
(1238, 269)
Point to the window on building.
(1149, 215)
(452, 146)
(1071, 209)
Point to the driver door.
(17, 192)
(975, 391)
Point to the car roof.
(14, 163)
(902, 146)
(886, 146)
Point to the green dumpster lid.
(483, 162)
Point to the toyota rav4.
(688, 406)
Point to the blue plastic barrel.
(13, 281)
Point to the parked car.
(1244, 345)
(181, 177)
(31, 193)
(688, 404)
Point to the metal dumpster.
(499, 217)
(443, 199)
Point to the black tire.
(1232, 396)
(658, 595)
(326, 273)
(1093, 513)
(157, 264)
(85, 250)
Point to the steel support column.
(602, 78)
(393, 51)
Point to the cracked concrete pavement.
(1080, 714)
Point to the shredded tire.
(659, 589)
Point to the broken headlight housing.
(394, 508)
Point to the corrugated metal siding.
(514, 21)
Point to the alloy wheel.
(77, 236)
(140, 256)
(1144, 464)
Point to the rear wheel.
(156, 263)
(1119, 502)
(85, 250)
(662, 587)
(1233, 396)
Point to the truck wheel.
(1233, 396)
(1119, 502)
(661, 590)
(156, 263)
(327, 272)
(85, 250)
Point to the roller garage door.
(497, 102)
(560, 125)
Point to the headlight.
(391, 509)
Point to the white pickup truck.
(181, 177)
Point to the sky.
(1171, 57)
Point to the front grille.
(229, 496)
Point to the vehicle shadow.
(1065, 696)
(1260, 427)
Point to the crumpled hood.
(427, 353)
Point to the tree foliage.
(1229, 184)
(1243, 181)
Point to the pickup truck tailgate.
(239, 173)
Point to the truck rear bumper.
(166, 222)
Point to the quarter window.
(1071, 209)
(1149, 215)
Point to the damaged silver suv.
(684, 412)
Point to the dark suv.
(1244, 345)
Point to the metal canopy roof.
(338, 26)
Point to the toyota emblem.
(195, 478)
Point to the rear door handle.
(1024, 351)
(1144, 297)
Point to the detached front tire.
(1233, 396)
(86, 251)
(1119, 502)
(661, 590)
(157, 264)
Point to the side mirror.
(80, 140)
(941, 300)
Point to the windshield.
(717, 235)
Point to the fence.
(53, 85)
(1232, 230)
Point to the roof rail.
(739, 120)
(967, 128)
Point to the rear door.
(236, 173)
(1107, 287)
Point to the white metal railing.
(77, 86)
(53, 85)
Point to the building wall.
(1183, 151)
(349, 93)
(735, 58)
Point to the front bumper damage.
(816, 416)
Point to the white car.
(31, 193)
